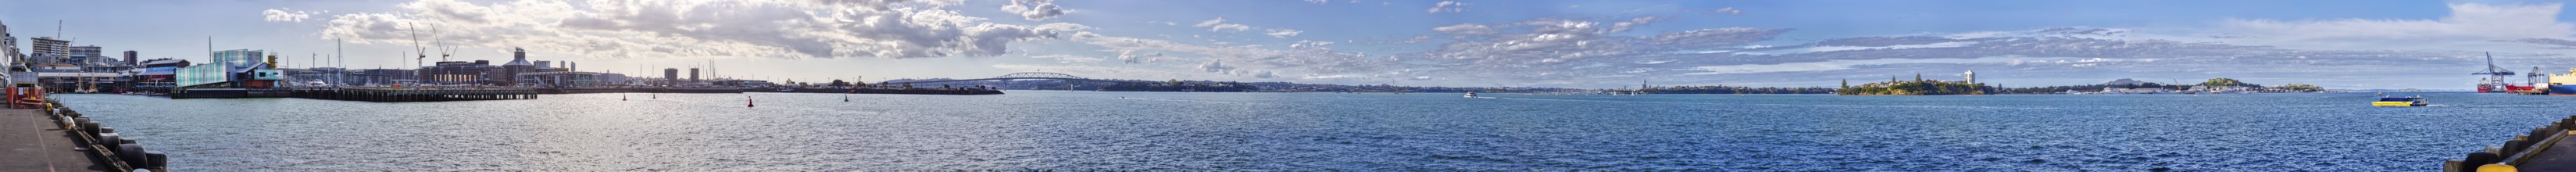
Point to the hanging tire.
(90, 127)
(125, 140)
(158, 160)
(130, 153)
(106, 129)
(106, 139)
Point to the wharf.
(2544, 149)
(36, 142)
(389, 94)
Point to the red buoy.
(746, 102)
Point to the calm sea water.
(1310, 131)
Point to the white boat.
(1471, 94)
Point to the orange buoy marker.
(746, 102)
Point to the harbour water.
(1305, 131)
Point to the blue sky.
(1576, 44)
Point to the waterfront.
(1293, 131)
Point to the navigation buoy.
(621, 97)
(746, 102)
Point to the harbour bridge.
(1022, 76)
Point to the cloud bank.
(679, 29)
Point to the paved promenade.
(36, 143)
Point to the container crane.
(2495, 81)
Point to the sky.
(1458, 43)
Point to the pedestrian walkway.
(35, 142)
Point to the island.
(1918, 86)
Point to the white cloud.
(1034, 10)
(1215, 66)
(1465, 28)
(1830, 65)
(2469, 26)
(1063, 27)
(689, 29)
(1815, 49)
(1283, 33)
(1061, 58)
(1448, 6)
(1131, 57)
(281, 15)
(1309, 44)
(1117, 72)
(1219, 24)
(1727, 11)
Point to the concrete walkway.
(2559, 157)
(34, 142)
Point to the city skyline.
(2342, 45)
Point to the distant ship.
(1471, 94)
(2562, 84)
(2495, 82)
(2399, 101)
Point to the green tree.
(2302, 87)
(2222, 82)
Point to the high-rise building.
(671, 75)
(693, 74)
(518, 64)
(129, 58)
(1972, 77)
(9, 41)
(49, 46)
(88, 50)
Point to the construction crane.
(422, 53)
(444, 51)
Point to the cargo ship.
(2495, 82)
(2560, 84)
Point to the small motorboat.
(1471, 94)
(2385, 101)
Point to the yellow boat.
(2399, 101)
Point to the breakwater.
(415, 94)
(100, 143)
(2540, 150)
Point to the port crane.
(2494, 83)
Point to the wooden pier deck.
(387, 94)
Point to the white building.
(10, 41)
(1972, 76)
